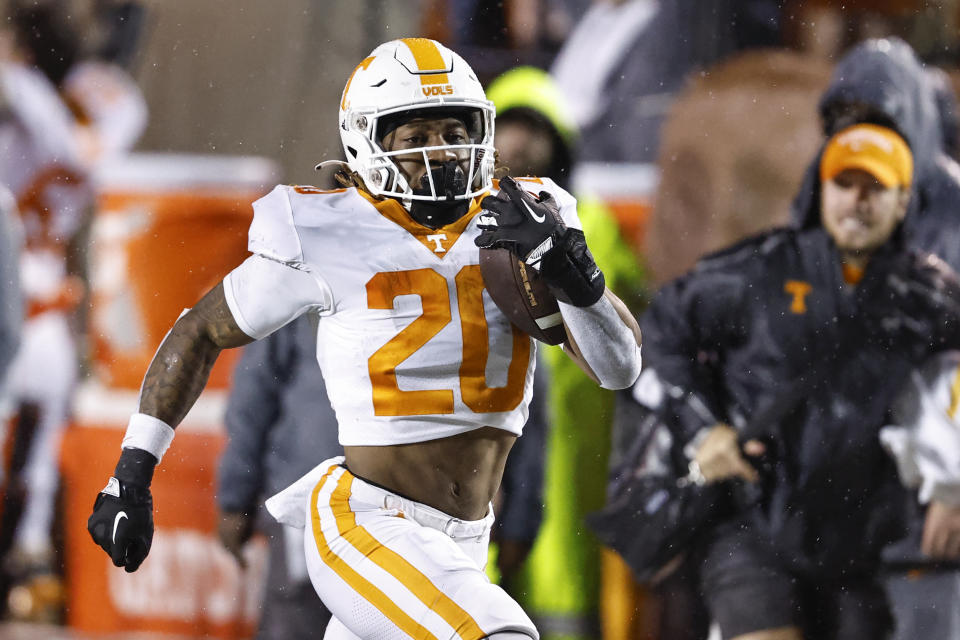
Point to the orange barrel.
(167, 228)
(189, 585)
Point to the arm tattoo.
(179, 370)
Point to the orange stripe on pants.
(397, 566)
(358, 583)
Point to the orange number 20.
(431, 287)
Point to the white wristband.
(148, 433)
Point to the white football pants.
(388, 567)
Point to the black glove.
(122, 520)
(515, 220)
(532, 229)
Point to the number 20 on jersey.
(431, 287)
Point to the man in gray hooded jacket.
(882, 82)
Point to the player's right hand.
(122, 523)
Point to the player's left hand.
(516, 220)
(941, 532)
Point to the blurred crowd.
(730, 105)
(68, 105)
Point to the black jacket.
(747, 324)
(885, 78)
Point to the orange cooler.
(167, 229)
(629, 189)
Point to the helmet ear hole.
(352, 151)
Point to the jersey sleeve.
(274, 286)
(264, 294)
(925, 439)
(273, 232)
(566, 202)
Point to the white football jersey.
(411, 346)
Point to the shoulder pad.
(761, 244)
(273, 232)
(309, 190)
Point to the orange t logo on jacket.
(799, 290)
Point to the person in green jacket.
(560, 582)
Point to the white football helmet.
(414, 75)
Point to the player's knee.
(781, 633)
(494, 611)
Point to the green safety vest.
(560, 582)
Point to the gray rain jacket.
(11, 299)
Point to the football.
(522, 295)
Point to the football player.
(429, 379)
